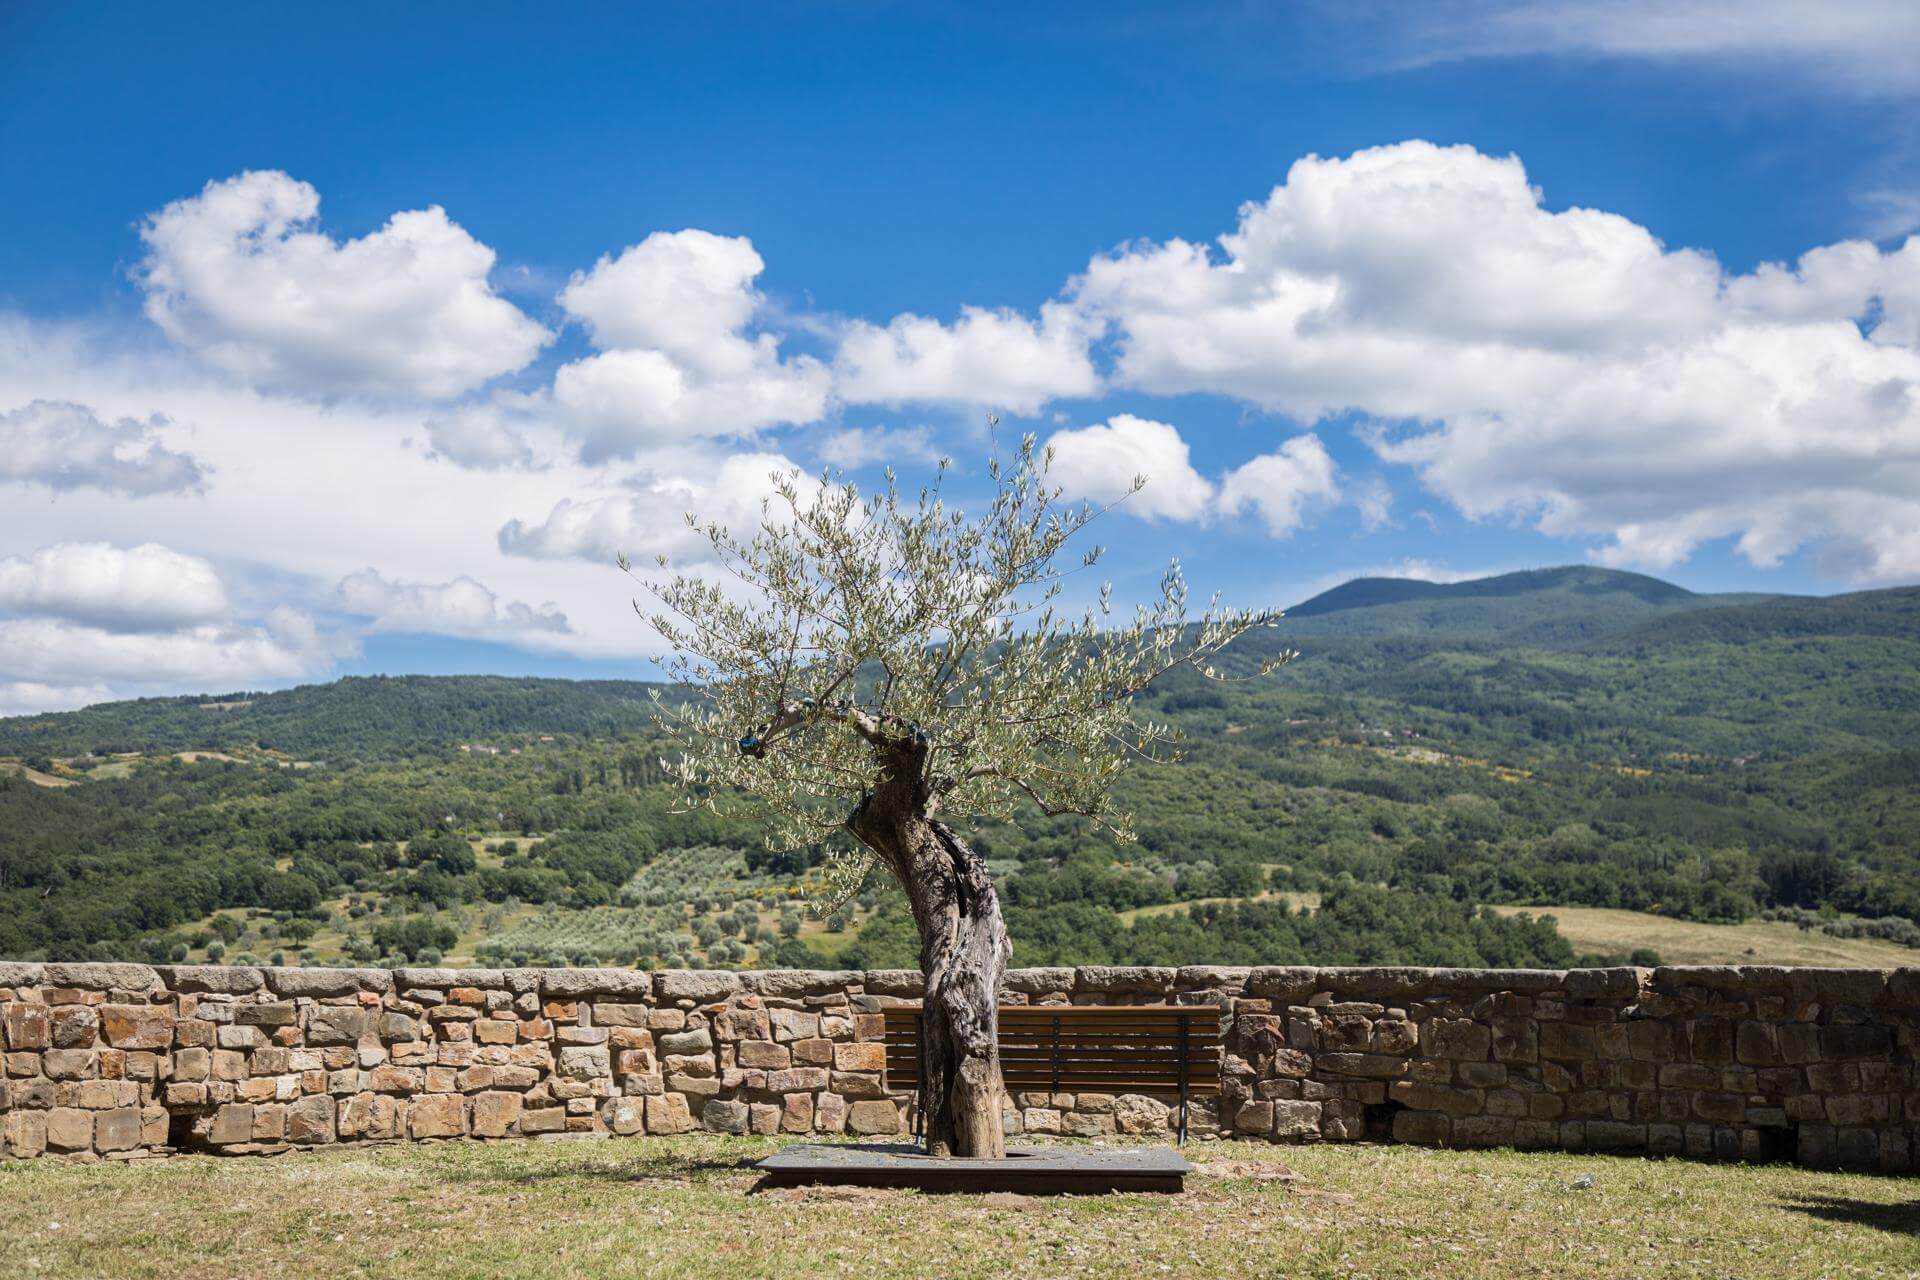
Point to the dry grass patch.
(686, 1207)
(1604, 931)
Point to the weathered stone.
(574, 983)
(26, 1026)
(23, 1134)
(104, 977)
(277, 1014)
(69, 1129)
(699, 985)
(793, 983)
(585, 1062)
(231, 1123)
(311, 1120)
(905, 983)
(75, 1027)
(698, 1040)
(1565, 1042)
(1374, 1065)
(873, 1117)
(496, 1113)
(215, 979)
(1459, 1038)
(1124, 978)
(321, 983)
(137, 1026)
(1034, 982)
(437, 1115)
(764, 1054)
(667, 1113)
(70, 1064)
(117, 1130)
(720, 1115)
(337, 1024)
(859, 1057)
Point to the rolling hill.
(1568, 737)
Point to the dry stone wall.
(121, 1061)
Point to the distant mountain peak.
(1366, 593)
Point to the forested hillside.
(1570, 737)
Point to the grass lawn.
(681, 1207)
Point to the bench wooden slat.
(1107, 1048)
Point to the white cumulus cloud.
(1101, 462)
(53, 651)
(1282, 487)
(461, 607)
(68, 446)
(1564, 366)
(27, 697)
(670, 316)
(240, 276)
(143, 587)
(996, 358)
(652, 522)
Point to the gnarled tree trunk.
(963, 952)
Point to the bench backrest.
(1094, 1048)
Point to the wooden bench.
(1151, 1048)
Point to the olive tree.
(873, 670)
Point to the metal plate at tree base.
(1024, 1170)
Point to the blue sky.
(1499, 295)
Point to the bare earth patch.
(686, 1207)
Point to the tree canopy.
(846, 622)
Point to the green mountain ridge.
(1571, 737)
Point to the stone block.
(1298, 1121)
(496, 1031)
(859, 1056)
(1141, 979)
(1423, 1128)
(437, 1115)
(279, 1014)
(70, 1064)
(1565, 1042)
(702, 986)
(621, 1015)
(1371, 1065)
(137, 1026)
(26, 1026)
(23, 1133)
(104, 977)
(231, 1123)
(1081, 1124)
(311, 1120)
(720, 1115)
(667, 1113)
(1461, 1039)
(681, 1043)
(585, 1062)
(535, 1120)
(873, 1117)
(829, 1113)
(75, 1027)
(763, 1054)
(496, 1113)
(337, 1024)
(69, 1129)
(763, 1118)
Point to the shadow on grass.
(598, 1167)
(1901, 1219)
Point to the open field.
(1601, 931)
(681, 1207)
(1294, 900)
